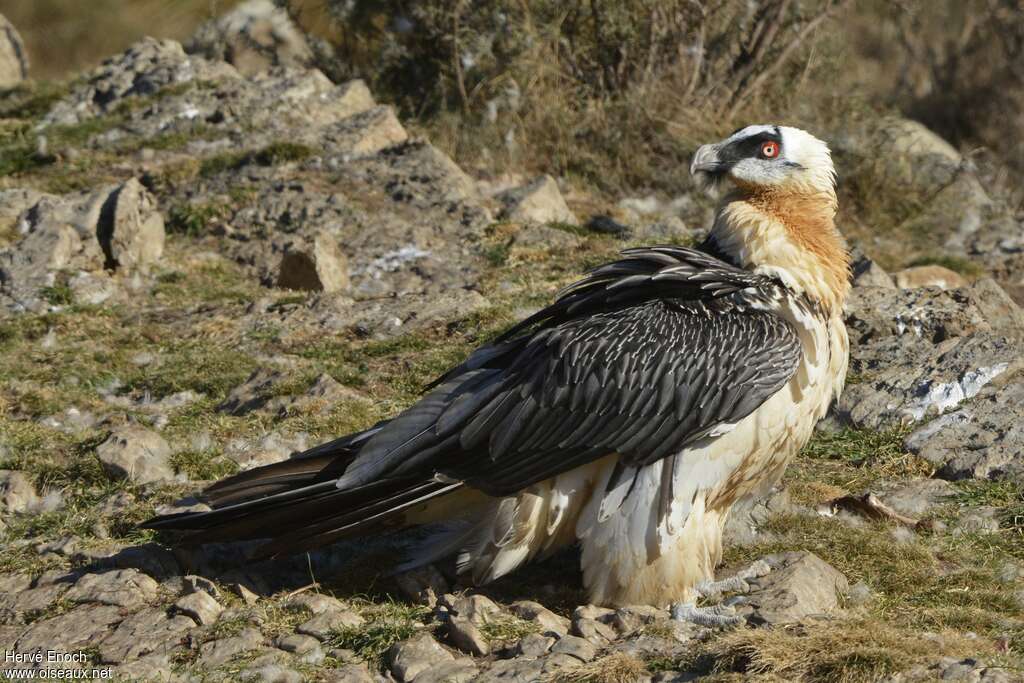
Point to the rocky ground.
(206, 266)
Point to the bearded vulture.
(629, 416)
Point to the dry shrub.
(616, 93)
(841, 651)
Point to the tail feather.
(297, 505)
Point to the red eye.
(770, 150)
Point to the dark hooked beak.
(706, 160)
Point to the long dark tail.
(297, 505)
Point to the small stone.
(602, 614)
(539, 201)
(548, 621)
(629, 619)
(135, 453)
(201, 606)
(351, 673)
(317, 603)
(220, 651)
(297, 643)
(929, 276)
(467, 637)
(860, 594)
(411, 657)
(247, 596)
(273, 673)
(323, 624)
(478, 609)
(576, 647)
(593, 631)
(533, 645)
(16, 491)
(315, 267)
(559, 661)
(127, 588)
(461, 670)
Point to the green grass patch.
(386, 624)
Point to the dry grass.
(614, 668)
(855, 650)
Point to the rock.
(593, 631)
(929, 276)
(365, 133)
(317, 603)
(422, 584)
(130, 229)
(606, 225)
(462, 670)
(800, 584)
(983, 439)
(135, 453)
(479, 609)
(273, 673)
(633, 618)
(145, 632)
(576, 647)
(157, 667)
(297, 643)
(534, 645)
(13, 57)
(351, 673)
(907, 385)
(16, 492)
(465, 635)
(867, 273)
(254, 36)
(952, 669)
(22, 601)
(548, 621)
(518, 670)
(270, 448)
(216, 652)
(200, 606)
(253, 394)
(128, 588)
(918, 166)
(539, 201)
(78, 628)
(874, 313)
(411, 657)
(144, 69)
(317, 266)
(321, 626)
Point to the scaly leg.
(721, 614)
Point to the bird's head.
(777, 159)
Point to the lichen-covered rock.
(13, 57)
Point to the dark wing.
(642, 358)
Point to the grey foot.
(714, 615)
(734, 584)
